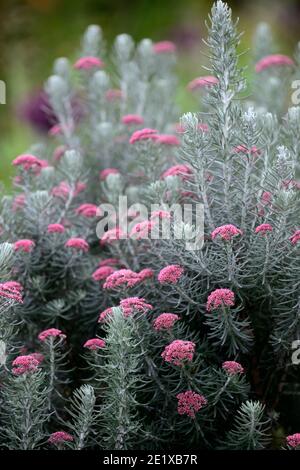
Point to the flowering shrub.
(214, 372)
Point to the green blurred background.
(34, 32)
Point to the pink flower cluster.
(164, 47)
(133, 305)
(232, 367)
(94, 344)
(88, 210)
(112, 235)
(275, 60)
(59, 437)
(132, 119)
(108, 171)
(24, 245)
(220, 298)
(165, 321)
(88, 62)
(28, 161)
(19, 202)
(264, 228)
(122, 278)
(104, 316)
(24, 364)
(11, 290)
(178, 352)
(170, 274)
(293, 440)
(190, 403)
(143, 134)
(182, 171)
(295, 237)
(202, 82)
(63, 189)
(142, 229)
(55, 228)
(145, 274)
(78, 244)
(226, 232)
(51, 333)
(102, 273)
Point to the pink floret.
(165, 321)
(51, 333)
(232, 367)
(226, 232)
(24, 245)
(77, 244)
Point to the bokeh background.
(34, 32)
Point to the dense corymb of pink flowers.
(102, 273)
(165, 321)
(59, 437)
(108, 171)
(51, 333)
(170, 274)
(78, 244)
(88, 210)
(112, 235)
(104, 316)
(295, 237)
(132, 119)
(133, 305)
(264, 228)
(27, 161)
(87, 63)
(146, 273)
(19, 202)
(202, 82)
(122, 278)
(160, 214)
(183, 171)
(168, 139)
(293, 440)
(232, 367)
(63, 189)
(94, 343)
(189, 403)
(242, 149)
(55, 228)
(142, 229)
(143, 134)
(226, 232)
(24, 364)
(164, 47)
(24, 245)
(178, 352)
(11, 290)
(220, 298)
(275, 60)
